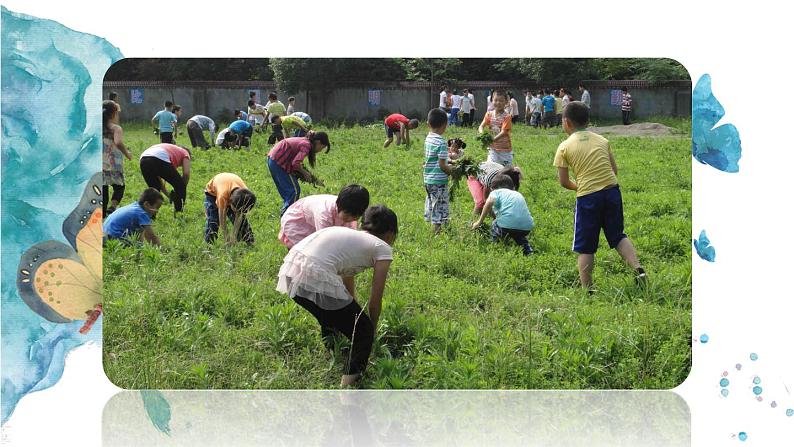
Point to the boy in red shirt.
(399, 124)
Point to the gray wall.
(351, 102)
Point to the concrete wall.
(351, 102)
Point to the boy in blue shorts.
(135, 219)
(436, 171)
(599, 204)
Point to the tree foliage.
(157, 69)
(293, 74)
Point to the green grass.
(458, 312)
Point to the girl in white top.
(318, 274)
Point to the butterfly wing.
(719, 147)
(703, 247)
(63, 283)
(83, 226)
(55, 284)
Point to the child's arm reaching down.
(565, 181)
(379, 275)
(486, 210)
(350, 285)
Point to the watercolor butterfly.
(719, 147)
(703, 247)
(63, 283)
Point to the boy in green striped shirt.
(436, 171)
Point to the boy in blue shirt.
(135, 219)
(512, 214)
(165, 120)
(242, 130)
(549, 117)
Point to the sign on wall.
(136, 96)
(373, 97)
(615, 97)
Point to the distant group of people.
(283, 119)
(326, 246)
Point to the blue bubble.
(757, 390)
(753, 356)
(773, 404)
(724, 382)
(742, 436)
(756, 380)
(738, 366)
(704, 338)
(790, 412)
(724, 392)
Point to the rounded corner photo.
(396, 223)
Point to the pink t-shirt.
(167, 152)
(310, 214)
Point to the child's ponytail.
(108, 109)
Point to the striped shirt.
(435, 150)
(290, 152)
(625, 104)
(497, 123)
(488, 170)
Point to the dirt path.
(637, 130)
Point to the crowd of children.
(326, 246)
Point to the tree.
(640, 68)
(156, 69)
(432, 69)
(549, 72)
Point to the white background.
(743, 301)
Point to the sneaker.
(528, 250)
(641, 280)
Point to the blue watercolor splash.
(52, 89)
(703, 247)
(158, 409)
(718, 147)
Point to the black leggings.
(153, 169)
(343, 320)
(118, 194)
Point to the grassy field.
(458, 312)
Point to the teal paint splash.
(719, 147)
(158, 409)
(48, 155)
(703, 247)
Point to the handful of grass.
(485, 139)
(463, 168)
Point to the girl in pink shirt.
(313, 213)
(159, 164)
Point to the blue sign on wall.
(373, 97)
(615, 97)
(136, 96)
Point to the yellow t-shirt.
(587, 154)
(221, 187)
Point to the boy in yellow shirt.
(599, 204)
